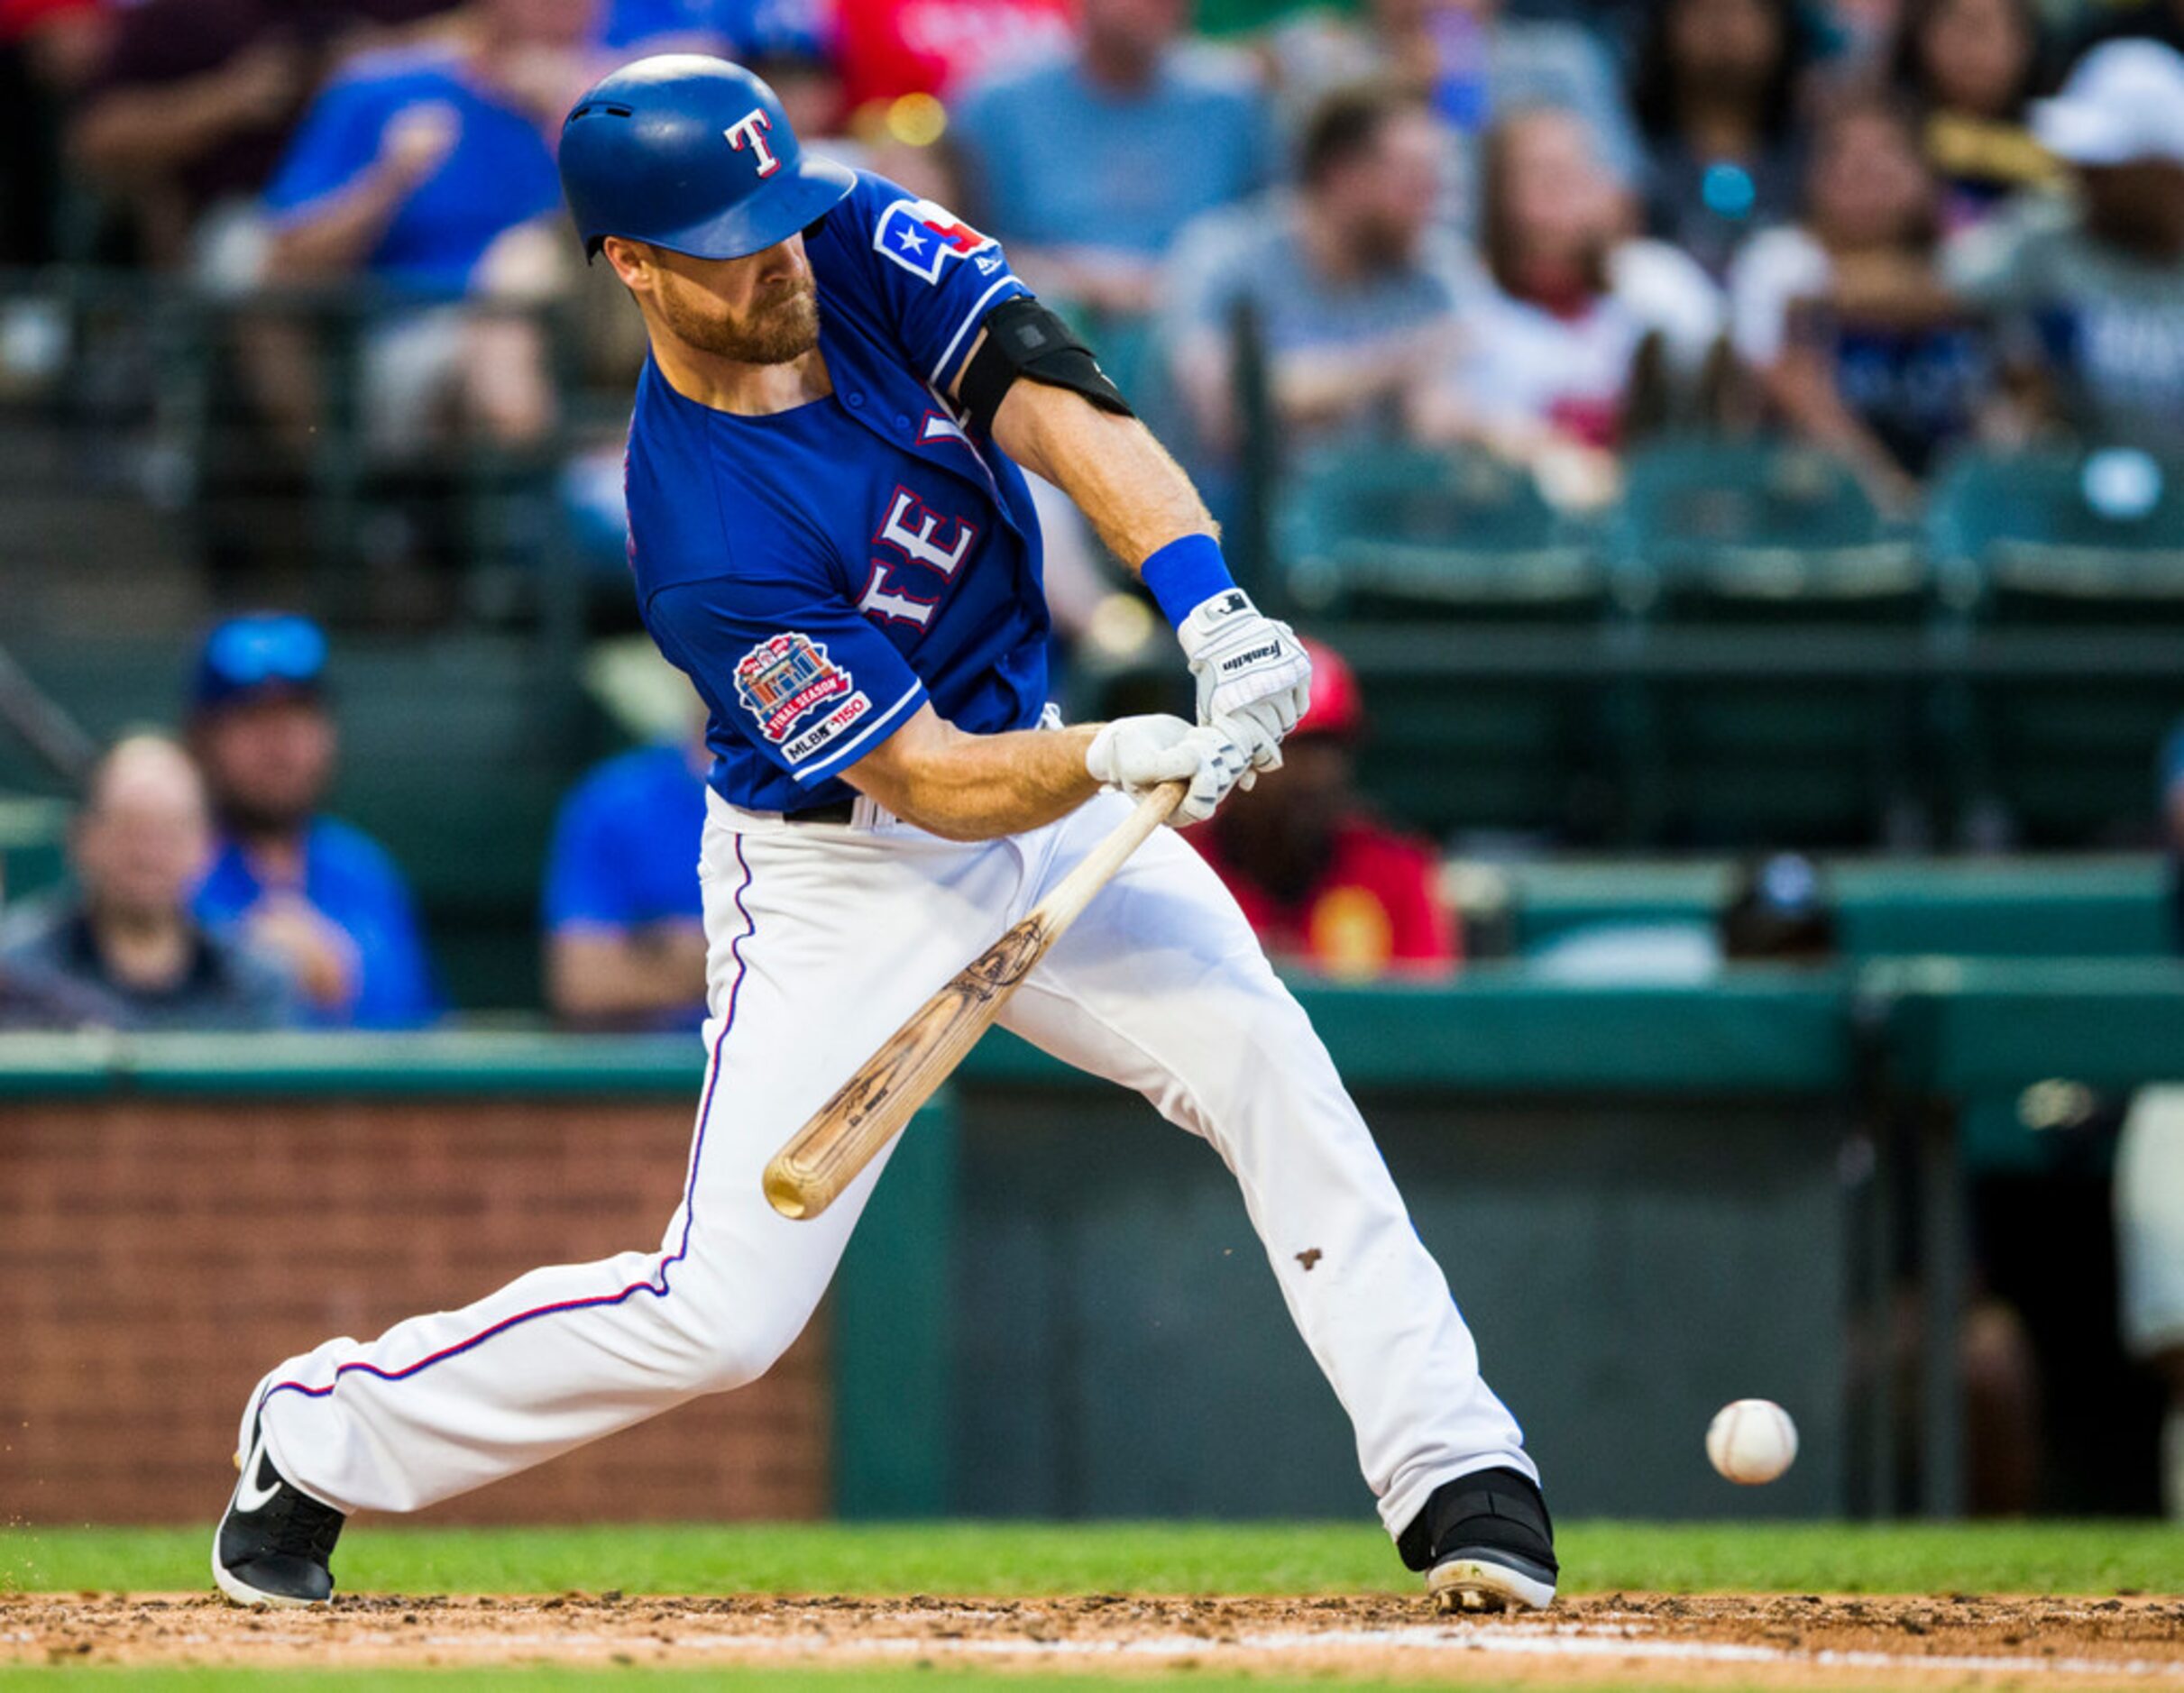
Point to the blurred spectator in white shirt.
(2089, 291)
(1551, 346)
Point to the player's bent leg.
(804, 984)
(1163, 986)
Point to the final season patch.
(921, 237)
(784, 678)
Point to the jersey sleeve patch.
(787, 677)
(921, 238)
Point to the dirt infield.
(1799, 1641)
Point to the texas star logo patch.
(923, 237)
(784, 678)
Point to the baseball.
(1751, 1441)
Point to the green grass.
(559, 1679)
(1020, 1558)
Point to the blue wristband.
(1185, 574)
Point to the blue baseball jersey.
(822, 572)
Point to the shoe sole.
(1477, 1585)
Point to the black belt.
(840, 811)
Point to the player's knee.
(736, 1353)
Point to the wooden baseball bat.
(870, 1109)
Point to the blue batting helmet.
(694, 154)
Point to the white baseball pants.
(823, 939)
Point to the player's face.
(762, 309)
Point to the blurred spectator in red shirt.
(1970, 69)
(1326, 885)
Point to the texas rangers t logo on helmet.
(749, 131)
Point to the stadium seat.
(2074, 535)
(1755, 753)
(1407, 530)
(2072, 565)
(1755, 528)
(1472, 752)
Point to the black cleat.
(1485, 1543)
(275, 1541)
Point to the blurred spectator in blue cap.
(2090, 291)
(317, 891)
(124, 949)
(625, 933)
(1086, 164)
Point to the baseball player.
(830, 534)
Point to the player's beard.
(779, 330)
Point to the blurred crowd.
(1541, 228)
(209, 890)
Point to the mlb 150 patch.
(923, 237)
(849, 713)
(785, 678)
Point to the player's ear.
(632, 261)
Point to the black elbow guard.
(1024, 338)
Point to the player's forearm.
(1134, 495)
(978, 787)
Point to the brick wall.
(157, 1256)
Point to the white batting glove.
(1251, 672)
(1135, 754)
